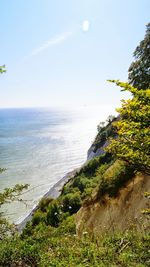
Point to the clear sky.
(61, 52)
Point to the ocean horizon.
(38, 146)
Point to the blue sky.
(52, 60)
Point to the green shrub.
(53, 214)
(17, 252)
(60, 246)
(91, 166)
(27, 231)
(104, 133)
(80, 182)
(43, 204)
(87, 193)
(38, 217)
(67, 226)
(114, 178)
(101, 169)
(71, 203)
(69, 188)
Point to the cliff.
(102, 138)
(116, 214)
(119, 211)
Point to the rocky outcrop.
(93, 152)
(102, 139)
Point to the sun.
(85, 25)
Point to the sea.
(38, 146)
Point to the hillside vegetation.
(77, 228)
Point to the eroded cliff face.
(120, 213)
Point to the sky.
(62, 52)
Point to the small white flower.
(85, 233)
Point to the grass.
(49, 246)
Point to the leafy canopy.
(139, 70)
(12, 194)
(7, 196)
(133, 142)
(2, 69)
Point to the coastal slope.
(116, 214)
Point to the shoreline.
(53, 192)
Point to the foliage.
(12, 194)
(114, 178)
(2, 69)
(133, 142)
(38, 217)
(103, 125)
(87, 179)
(54, 211)
(53, 214)
(105, 131)
(7, 196)
(51, 247)
(71, 202)
(139, 71)
(44, 202)
(2, 169)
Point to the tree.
(100, 126)
(7, 196)
(110, 118)
(139, 70)
(133, 142)
(2, 69)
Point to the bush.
(60, 247)
(53, 214)
(71, 203)
(114, 178)
(43, 204)
(38, 217)
(90, 167)
(27, 231)
(17, 252)
(86, 180)
(80, 182)
(67, 226)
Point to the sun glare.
(85, 25)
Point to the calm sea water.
(39, 146)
